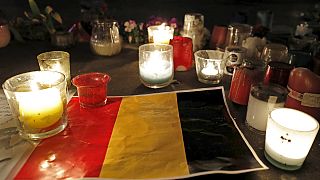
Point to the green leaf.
(16, 34)
(34, 7)
(56, 16)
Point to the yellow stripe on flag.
(146, 141)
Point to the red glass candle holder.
(218, 37)
(92, 88)
(182, 53)
(278, 73)
(242, 79)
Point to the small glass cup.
(38, 103)
(237, 33)
(156, 65)
(105, 38)
(160, 34)
(274, 52)
(56, 61)
(209, 66)
(92, 88)
(289, 136)
(182, 53)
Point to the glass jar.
(262, 100)
(105, 39)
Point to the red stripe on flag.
(79, 150)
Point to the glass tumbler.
(156, 65)
(209, 66)
(38, 103)
(274, 52)
(237, 33)
(56, 61)
(105, 38)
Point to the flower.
(130, 26)
(137, 32)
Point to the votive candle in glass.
(156, 65)
(38, 102)
(92, 88)
(160, 34)
(209, 66)
(56, 61)
(289, 136)
(182, 53)
(262, 100)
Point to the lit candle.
(209, 66)
(56, 61)
(210, 70)
(155, 69)
(160, 34)
(38, 103)
(289, 136)
(39, 108)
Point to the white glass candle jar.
(105, 38)
(262, 100)
(289, 136)
(160, 34)
(209, 66)
(56, 61)
(193, 28)
(156, 65)
(38, 102)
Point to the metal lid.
(266, 92)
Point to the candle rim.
(53, 55)
(152, 47)
(295, 115)
(9, 84)
(218, 53)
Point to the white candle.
(210, 70)
(289, 137)
(160, 34)
(155, 69)
(258, 110)
(39, 108)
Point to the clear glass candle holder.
(56, 61)
(156, 65)
(160, 34)
(209, 66)
(38, 103)
(289, 136)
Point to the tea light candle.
(39, 108)
(289, 136)
(210, 70)
(155, 69)
(209, 66)
(160, 34)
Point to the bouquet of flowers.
(134, 33)
(137, 32)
